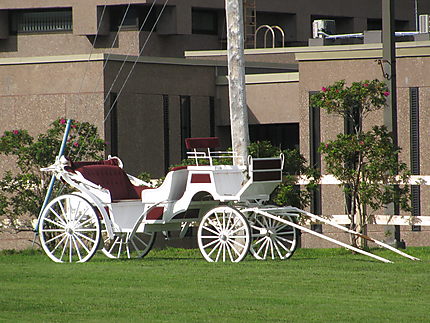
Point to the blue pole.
(51, 184)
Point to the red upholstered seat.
(112, 178)
(207, 142)
(78, 164)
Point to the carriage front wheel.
(271, 238)
(224, 235)
(69, 229)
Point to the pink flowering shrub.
(21, 189)
(366, 162)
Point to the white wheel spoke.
(76, 210)
(210, 230)
(281, 226)
(275, 242)
(210, 243)
(217, 221)
(271, 249)
(219, 252)
(81, 225)
(65, 247)
(54, 223)
(63, 212)
(229, 251)
(286, 240)
(267, 248)
(285, 233)
(86, 230)
(259, 240)
(54, 230)
(234, 249)
(82, 214)
(85, 237)
(223, 220)
(283, 246)
(58, 244)
(140, 240)
(77, 249)
(214, 248)
(228, 221)
(262, 246)
(243, 227)
(236, 243)
(82, 243)
(70, 249)
(56, 237)
(58, 216)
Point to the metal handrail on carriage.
(121, 215)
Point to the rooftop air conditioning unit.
(324, 26)
(424, 24)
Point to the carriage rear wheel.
(224, 235)
(271, 238)
(123, 247)
(69, 229)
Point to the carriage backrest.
(112, 178)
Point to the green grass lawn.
(179, 286)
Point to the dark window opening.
(113, 124)
(166, 131)
(41, 21)
(212, 116)
(282, 135)
(415, 151)
(134, 17)
(204, 22)
(185, 123)
(315, 157)
(374, 24)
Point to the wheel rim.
(224, 235)
(69, 229)
(121, 246)
(271, 238)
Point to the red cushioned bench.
(110, 176)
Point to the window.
(41, 21)
(204, 22)
(415, 151)
(315, 157)
(113, 124)
(134, 17)
(166, 130)
(282, 135)
(212, 116)
(185, 122)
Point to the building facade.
(68, 59)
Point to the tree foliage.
(22, 190)
(366, 162)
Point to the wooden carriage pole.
(236, 79)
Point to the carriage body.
(130, 212)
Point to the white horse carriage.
(120, 214)
(111, 210)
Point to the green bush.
(22, 190)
